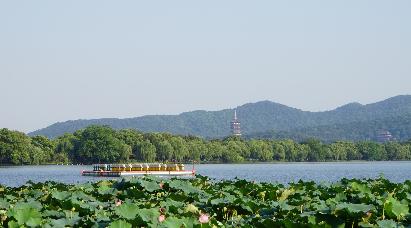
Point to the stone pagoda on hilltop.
(235, 125)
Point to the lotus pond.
(202, 202)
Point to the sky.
(67, 60)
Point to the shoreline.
(221, 163)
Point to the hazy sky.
(62, 60)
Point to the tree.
(15, 147)
(232, 153)
(317, 150)
(352, 151)
(46, 146)
(278, 151)
(241, 147)
(372, 151)
(37, 155)
(302, 151)
(215, 150)
(196, 149)
(291, 150)
(130, 137)
(338, 151)
(396, 151)
(99, 144)
(146, 152)
(261, 150)
(165, 151)
(179, 148)
(66, 148)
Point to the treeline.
(399, 126)
(102, 144)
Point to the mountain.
(264, 118)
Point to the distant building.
(384, 136)
(235, 125)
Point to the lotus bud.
(161, 218)
(204, 218)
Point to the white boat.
(118, 170)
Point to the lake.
(268, 172)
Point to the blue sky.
(62, 60)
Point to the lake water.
(272, 172)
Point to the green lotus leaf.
(53, 214)
(149, 215)
(13, 224)
(105, 190)
(127, 210)
(184, 186)
(31, 204)
(60, 195)
(387, 224)
(365, 225)
(105, 183)
(340, 197)
(237, 203)
(284, 206)
(26, 216)
(178, 222)
(172, 206)
(120, 224)
(395, 209)
(4, 204)
(35, 193)
(150, 186)
(354, 208)
(360, 187)
(82, 196)
(226, 199)
(62, 222)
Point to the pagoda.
(235, 125)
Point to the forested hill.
(264, 116)
(399, 127)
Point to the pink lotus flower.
(161, 218)
(161, 185)
(204, 218)
(118, 203)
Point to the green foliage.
(146, 151)
(395, 209)
(16, 147)
(165, 151)
(120, 224)
(156, 202)
(105, 145)
(99, 144)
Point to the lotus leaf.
(120, 224)
(395, 209)
(128, 211)
(139, 202)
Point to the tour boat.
(118, 170)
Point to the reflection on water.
(273, 172)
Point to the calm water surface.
(273, 172)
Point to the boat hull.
(137, 173)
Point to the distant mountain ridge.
(257, 118)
